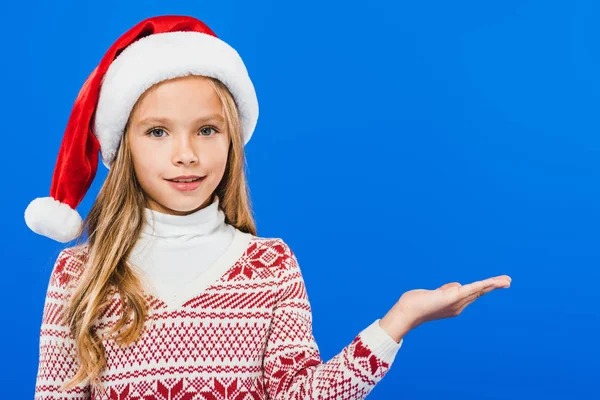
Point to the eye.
(207, 129)
(153, 130)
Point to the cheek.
(144, 168)
(214, 157)
(144, 163)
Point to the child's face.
(178, 128)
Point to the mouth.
(185, 180)
(186, 185)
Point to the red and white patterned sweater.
(246, 335)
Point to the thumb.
(449, 285)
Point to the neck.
(203, 221)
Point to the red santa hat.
(154, 50)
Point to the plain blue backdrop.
(400, 145)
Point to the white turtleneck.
(178, 256)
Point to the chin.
(185, 207)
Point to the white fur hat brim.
(159, 57)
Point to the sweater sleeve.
(292, 366)
(57, 354)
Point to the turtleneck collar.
(202, 222)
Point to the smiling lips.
(186, 183)
(185, 178)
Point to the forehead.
(179, 96)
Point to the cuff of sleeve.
(380, 342)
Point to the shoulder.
(69, 266)
(273, 253)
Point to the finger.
(474, 296)
(503, 280)
(472, 289)
(476, 287)
(470, 299)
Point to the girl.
(173, 295)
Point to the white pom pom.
(53, 219)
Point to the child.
(173, 296)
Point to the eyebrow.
(167, 121)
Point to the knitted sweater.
(245, 334)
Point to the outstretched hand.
(418, 306)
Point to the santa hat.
(154, 50)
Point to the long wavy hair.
(113, 226)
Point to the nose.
(184, 151)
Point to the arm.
(293, 368)
(58, 356)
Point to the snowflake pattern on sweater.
(247, 336)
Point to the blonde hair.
(114, 224)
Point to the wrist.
(396, 324)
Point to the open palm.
(421, 305)
(449, 300)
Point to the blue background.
(400, 145)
